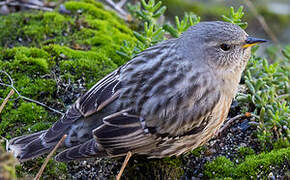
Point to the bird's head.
(221, 45)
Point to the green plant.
(154, 31)
(244, 151)
(235, 17)
(188, 20)
(251, 167)
(151, 12)
(268, 97)
(220, 167)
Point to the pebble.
(63, 10)
(4, 10)
(271, 176)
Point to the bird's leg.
(128, 156)
(230, 121)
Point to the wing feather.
(100, 95)
(123, 132)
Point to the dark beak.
(251, 41)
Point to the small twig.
(5, 2)
(11, 85)
(37, 177)
(118, 8)
(262, 21)
(283, 96)
(128, 156)
(41, 104)
(6, 100)
(121, 3)
(30, 6)
(1, 108)
(227, 124)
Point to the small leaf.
(173, 32)
(140, 37)
(156, 6)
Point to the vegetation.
(268, 97)
(253, 165)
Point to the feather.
(123, 132)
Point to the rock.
(271, 176)
(4, 10)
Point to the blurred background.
(276, 14)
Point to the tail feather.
(34, 145)
(23, 140)
(29, 146)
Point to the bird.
(169, 99)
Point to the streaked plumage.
(169, 99)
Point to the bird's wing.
(100, 95)
(122, 132)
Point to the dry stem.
(26, 5)
(118, 8)
(128, 156)
(227, 124)
(23, 97)
(37, 177)
(6, 100)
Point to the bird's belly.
(179, 145)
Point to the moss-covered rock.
(52, 58)
(87, 27)
(220, 167)
(252, 167)
(7, 163)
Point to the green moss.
(245, 151)
(281, 143)
(220, 167)
(53, 170)
(253, 165)
(88, 65)
(26, 117)
(94, 29)
(33, 113)
(197, 151)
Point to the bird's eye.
(225, 47)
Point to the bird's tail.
(30, 146)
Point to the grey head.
(222, 45)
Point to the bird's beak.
(251, 41)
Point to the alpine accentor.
(169, 99)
